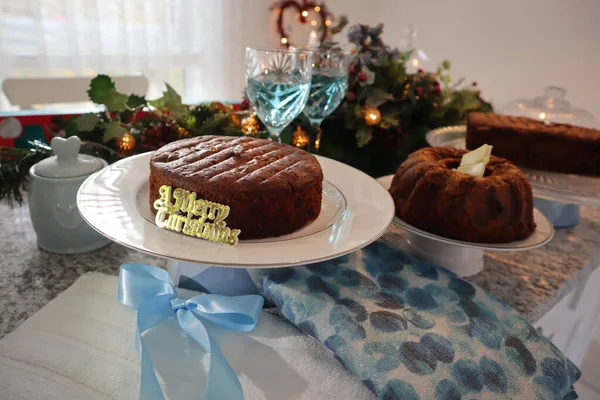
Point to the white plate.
(543, 233)
(355, 211)
(576, 189)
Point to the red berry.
(437, 89)
(362, 76)
(474, 83)
(420, 70)
(436, 84)
(245, 104)
(419, 91)
(352, 70)
(350, 96)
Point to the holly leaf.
(102, 91)
(100, 87)
(113, 130)
(188, 122)
(170, 99)
(134, 101)
(370, 76)
(86, 122)
(363, 136)
(389, 121)
(378, 96)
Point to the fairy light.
(126, 143)
(302, 11)
(372, 116)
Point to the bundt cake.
(431, 195)
(272, 189)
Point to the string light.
(324, 18)
(372, 116)
(300, 138)
(181, 132)
(250, 125)
(126, 143)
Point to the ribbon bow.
(151, 291)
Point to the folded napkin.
(82, 346)
(410, 330)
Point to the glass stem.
(315, 141)
(274, 134)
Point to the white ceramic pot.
(53, 186)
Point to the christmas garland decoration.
(129, 125)
(385, 115)
(389, 109)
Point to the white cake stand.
(466, 258)
(355, 211)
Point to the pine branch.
(14, 169)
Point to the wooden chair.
(29, 92)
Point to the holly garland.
(384, 117)
(388, 110)
(129, 125)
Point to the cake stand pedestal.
(210, 279)
(463, 261)
(465, 258)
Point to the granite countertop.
(530, 281)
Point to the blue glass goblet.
(277, 85)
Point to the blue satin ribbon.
(151, 291)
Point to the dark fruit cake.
(536, 144)
(431, 195)
(272, 189)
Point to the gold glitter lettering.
(161, 217)
(177, 214)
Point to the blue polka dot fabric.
(410, 330)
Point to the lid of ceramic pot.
(68, 163)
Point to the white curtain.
(195, 45)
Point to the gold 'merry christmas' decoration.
(177, 214)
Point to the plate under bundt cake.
(430, 194)
(272, 189)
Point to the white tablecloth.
(81, 346)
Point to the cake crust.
(272, 189)
(430, 195)
(532, 144)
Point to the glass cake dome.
(551, 107)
